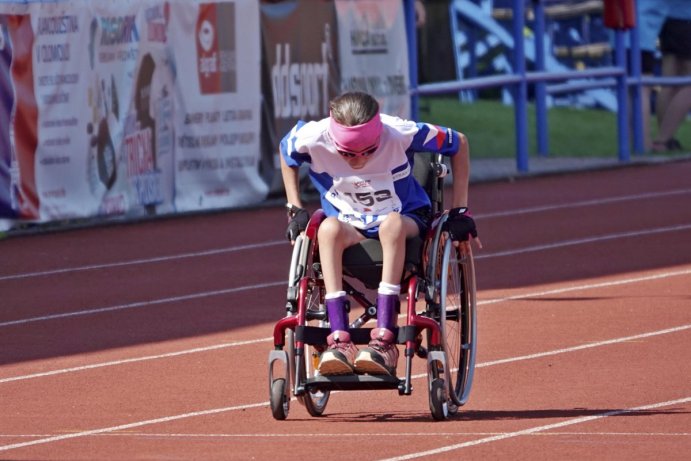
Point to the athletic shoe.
(338, 358)
(380, 357)
(671, 144)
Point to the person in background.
(674, 102)
(435, 47)
(420, 13)
(361, 162)
(650, 16)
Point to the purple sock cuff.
(386, 311)
(336, 310)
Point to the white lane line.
(327, 435)
(493, 301)
(135, 262)
(123, 427)
(617, 434)
(590, 286)
(567, 243)
(139, 304)
(214, 411)
(135, 360)
(584, 203)
(515, 212)
(606, 342)
(581, 347)
(520, 358)
(271, 284)
(536, 429)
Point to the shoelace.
(340, 346)
(381, 346)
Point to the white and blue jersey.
(364, 197)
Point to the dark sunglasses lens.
(353, 155)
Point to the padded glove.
(297, 222)
(460, 224)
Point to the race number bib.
(364, 202)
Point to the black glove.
(297, 222)
(460, 224)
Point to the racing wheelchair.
(441, 328)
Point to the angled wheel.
(438, 403)
(314, 400)
(280, 402)
(304, 364)
(458, 318)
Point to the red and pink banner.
(18, 115)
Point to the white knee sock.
(334, 295)
(388, 289)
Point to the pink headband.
(356, 139)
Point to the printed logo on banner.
(157, 19)
(140, 141)
(368, 34)
(216, 53)
(300, 84)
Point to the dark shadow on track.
(487, 415)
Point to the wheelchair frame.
(445, 279)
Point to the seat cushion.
(364, 260)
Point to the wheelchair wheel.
(305, 368)
(438, 403)
(280, 402)
(458, 318)
(314, 400)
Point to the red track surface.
(150, 341)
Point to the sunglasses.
(366, 153)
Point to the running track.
(150, 340)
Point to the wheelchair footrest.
(317, 335)
(353, 382)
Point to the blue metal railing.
(628, 82)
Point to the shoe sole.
(330, 366)
(365, 364)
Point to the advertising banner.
(373, 52)
(315, 51)
(217, 105)
(128, 108)
(84, 61)
(18, 113)
(137, 108)
(301, 73)
(7, 207)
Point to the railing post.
(622, 98)
(521, 88)
(411, 32)
(541, 121)
(472, 35)
(635, 90)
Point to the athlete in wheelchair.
(378, 224)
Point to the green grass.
(489, 126)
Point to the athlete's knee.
(392, 226)
(330, 228)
